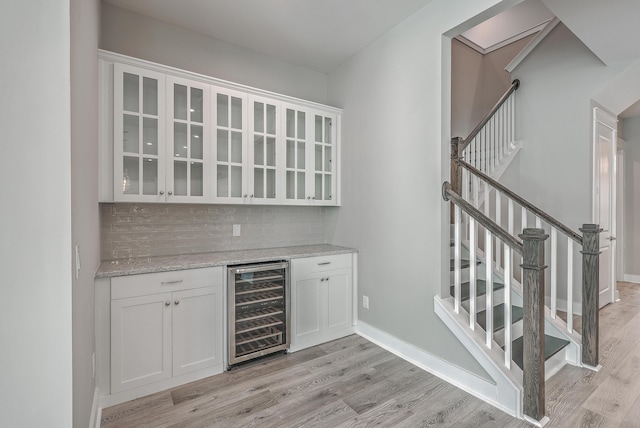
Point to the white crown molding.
(542, 34)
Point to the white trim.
(96, 411)
(173, 71)
(631, 278)
(544, 32)
(504, 394)
(536, 28)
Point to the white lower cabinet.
(322, 300)
(165, 329)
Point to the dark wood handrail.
(514, 87)
(449, 195)
(523, 202)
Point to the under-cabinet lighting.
(196, 136)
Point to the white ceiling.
(316, 34)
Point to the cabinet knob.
(244, 196)
(167, 303)
(321, 279)
(326, 279)
(170, 193)
(161, 192)
(177, 302)
(251, 196)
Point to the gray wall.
(35, 222)
(85, 22)
(630, 132)
(140, 230)
(396, 132)
(135, 35)
(554, 119)
(477, 82)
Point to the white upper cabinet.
(230, 146)
(188, 128)
(138, 134)
(311, 148)
(167, 135)
(265, 159)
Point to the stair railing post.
(456, 172)
(590, 293)
(533, 329)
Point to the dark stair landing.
(552, 345)
(498, 317)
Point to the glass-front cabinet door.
(324, 149)
(139, 108)
(188, 125)
(296, 138)
(263, 149)
(230, 146)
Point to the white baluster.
(553, 262)
(476, 189)
(524, 218)
(499, 223)
(456, 260)
(507, 306)
(510, 217)
(538, 222)
(569, 285)
(472, 273)
(486, 198)
(488, 286)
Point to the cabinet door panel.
(197, 329)
(230, 145)
(138, 120)
(263, 150)
(308, 303)
(188, 127)
(140, 341)
(339, 300)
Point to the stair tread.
(498, 316)
(552, 345)
(464, 263)
(481, 288)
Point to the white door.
(197, 329)
(604, 200)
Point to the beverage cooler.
(258, 310)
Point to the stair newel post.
(590, 293)
(456, 172)
(533, 329)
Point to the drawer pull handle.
(177, 281)
(167, 303)
(324, 263)
(177, 302)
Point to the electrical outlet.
(365, 302)
(236, 230)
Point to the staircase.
(497, 304)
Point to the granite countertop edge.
(142, 265)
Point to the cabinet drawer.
(162, 282)
(322, 263)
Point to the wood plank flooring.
(354, 383)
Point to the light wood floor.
(354, 383)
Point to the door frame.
(610, 121)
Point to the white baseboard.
(96, 411)
(463, 379)
(631, 278)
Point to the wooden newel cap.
(533, 234)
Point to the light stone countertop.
(139, 265)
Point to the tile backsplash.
(141, 230)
